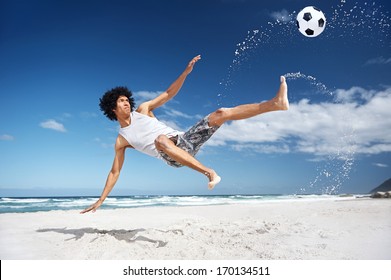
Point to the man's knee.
(162, 142)
(218, 117)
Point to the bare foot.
(214, 179)
(281, 99)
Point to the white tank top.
(142, 132)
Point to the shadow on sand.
(129, 236)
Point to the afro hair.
(108, 102)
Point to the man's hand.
(93, 207)
(189, 67)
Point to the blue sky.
(58, 57)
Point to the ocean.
(35, 204)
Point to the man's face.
(123, 106)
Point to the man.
(140, 129)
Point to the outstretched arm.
(112, 177)
(147, 107)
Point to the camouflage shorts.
(192, 140)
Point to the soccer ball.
(311, 21)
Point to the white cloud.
(54, 125)
(175, 113)
(6, 137)
(359, 125)
(354, 94)
(88, 115)
(171, 124)
(142, 96)
(281, 16)
(378, 60)
(382, 165)
(66, 115)
(261, 148)
(103, 144)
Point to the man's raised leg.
(279, 102)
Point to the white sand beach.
(357, 229)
